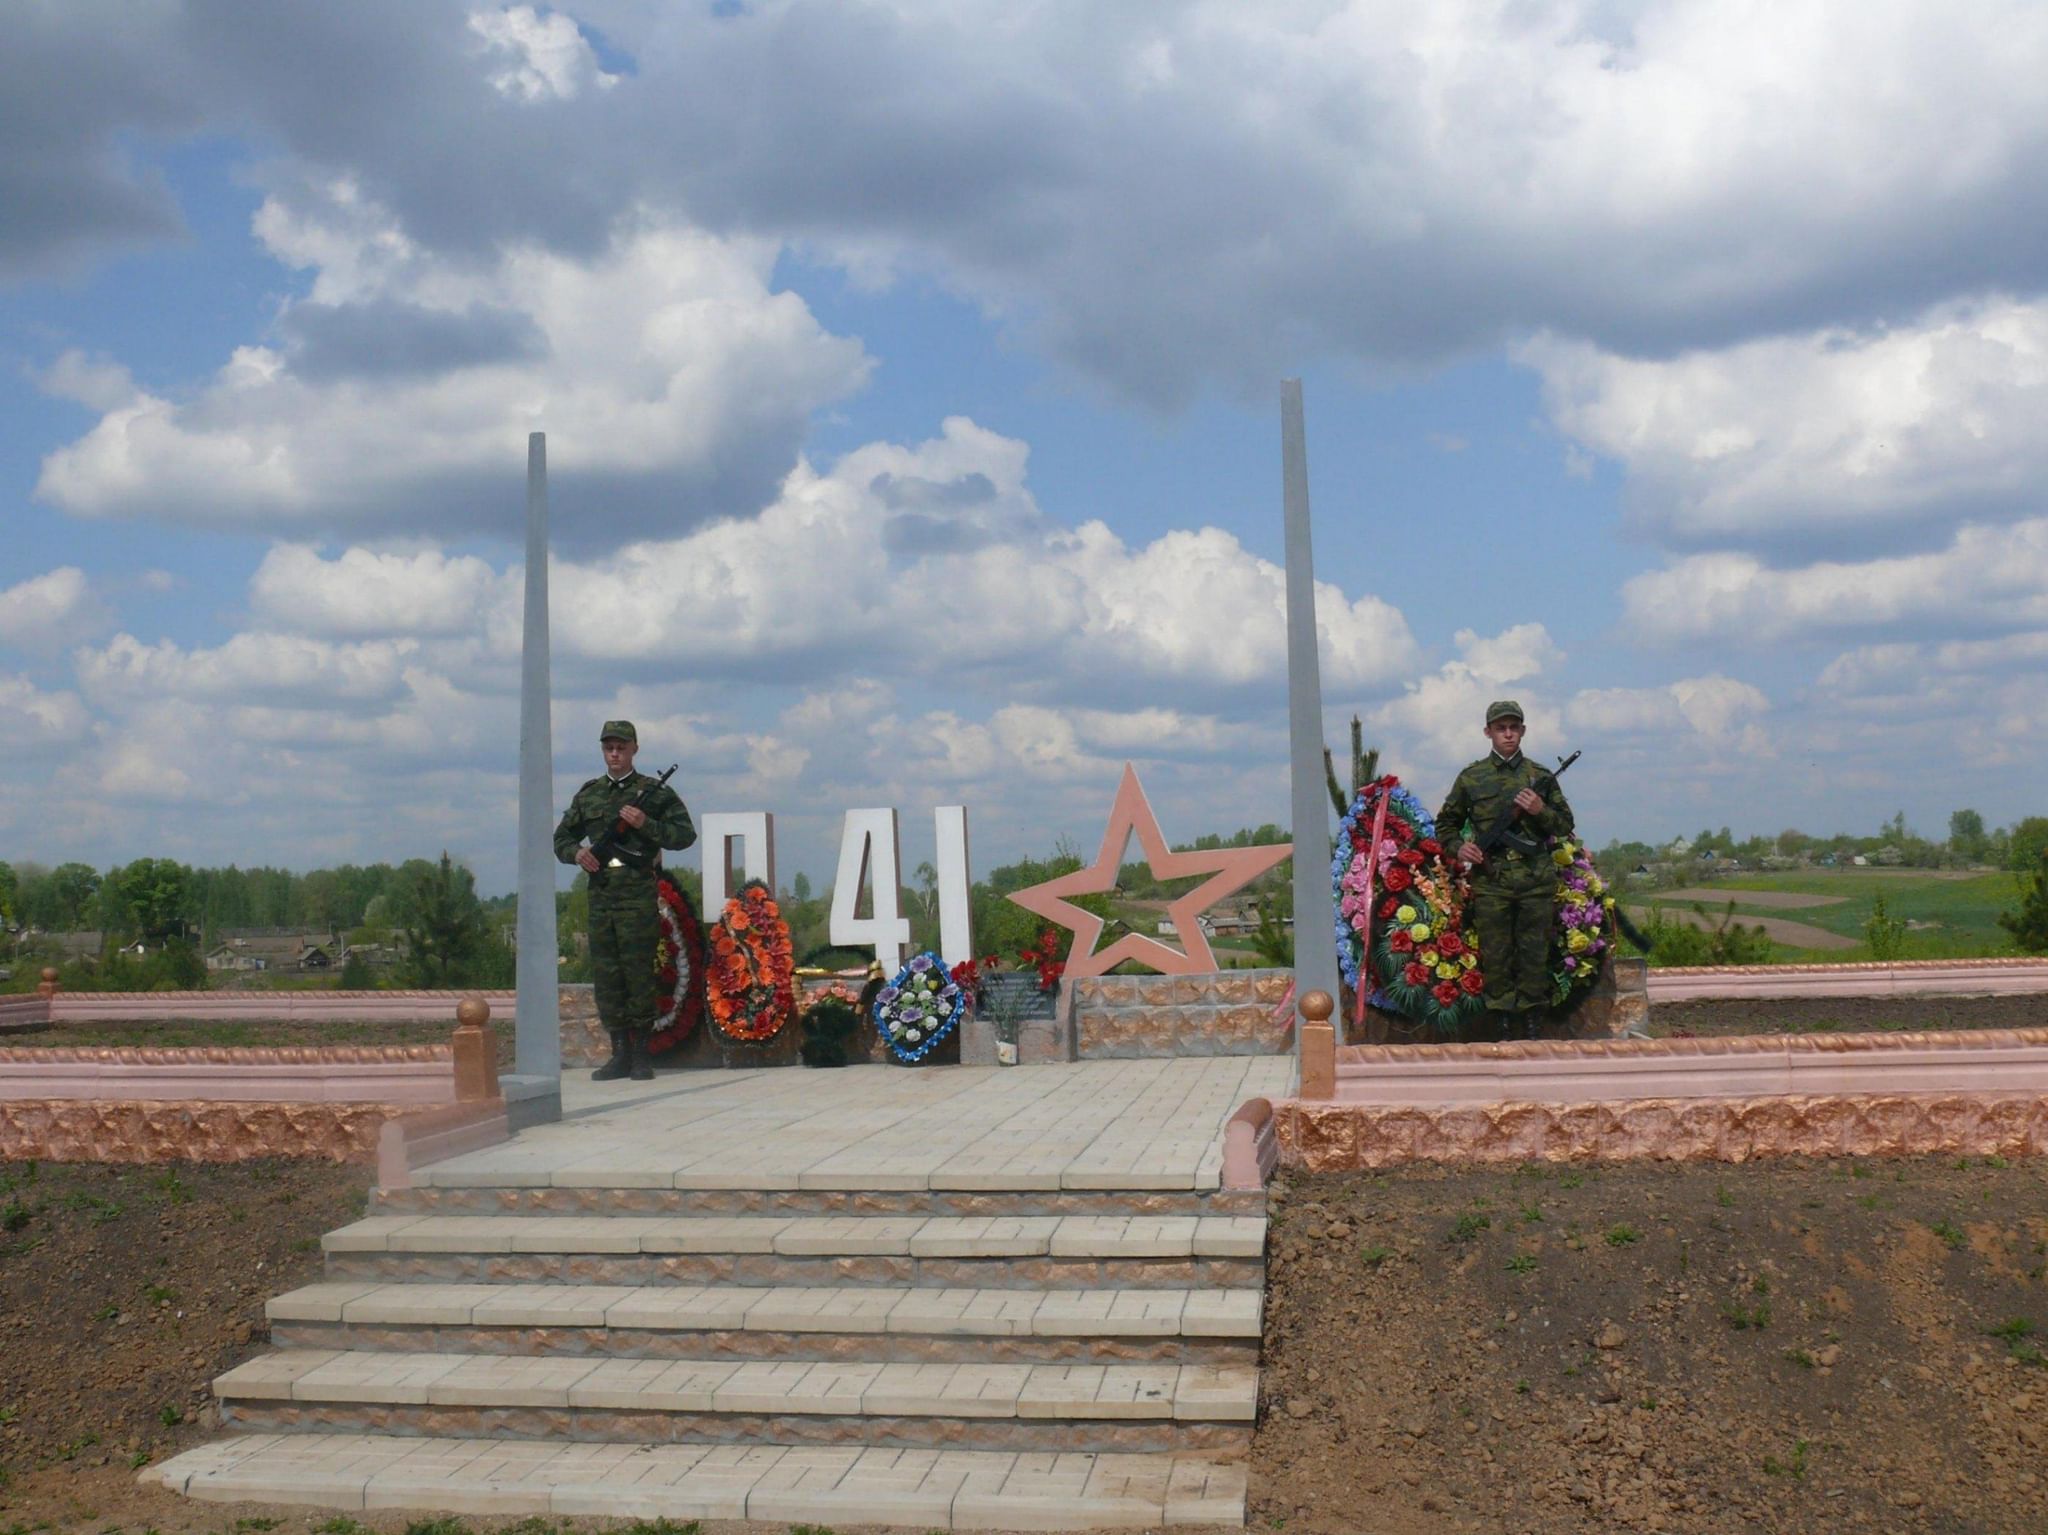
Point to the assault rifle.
(612, 847)
(1502, 829)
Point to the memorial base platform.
(971, 1298)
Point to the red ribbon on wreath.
(1372, 864)
(678, 968)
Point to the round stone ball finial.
(50, 974)
(1316, 1006)
(472, 1012)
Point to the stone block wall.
(1227, 1012)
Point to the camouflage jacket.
(1482, 790)
(596, 806)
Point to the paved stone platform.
(1120, 1125)
(950, 1298)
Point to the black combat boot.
(620, 1063)
(643, 1058)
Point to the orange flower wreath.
(751, 974)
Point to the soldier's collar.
(611, 780)
(1505, 761)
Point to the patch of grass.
(171, 1415)
(172, 1187)
(1761, 1285)
(257, 1525)
(1950, 1233)
(1870, 1201)
(1723, 1197)
(1521, 1388)
(106, 1313)
(1469, 1225)
(1571, 1180)
(810, 1529)
(1743, 1318)
(1373, 1256)
(1800, 1357)
(1994, 1161)
(138, 1460)
(156, 1294)
(340, 1524)
(1531, 1213)
(14, 1215)
(447, 1524)
(1522, 1263)
(660, 1527)
(306, 1245)
(1795, 1467)
(1622, 1234)
(2015, 1332)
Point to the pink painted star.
(1229, 868)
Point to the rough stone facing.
(1228, 1012)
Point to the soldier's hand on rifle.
(586, 860)
(635, 817)
(1529, 802)
(1468, 852)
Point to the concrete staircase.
(1033, 1356)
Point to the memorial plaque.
(1015, 995)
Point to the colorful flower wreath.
(1584, 932)
(1401, 935)
(678, 968)
(919, 1008)
(750, 974)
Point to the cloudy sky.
(910, 376)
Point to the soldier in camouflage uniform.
(625, 923)
(1514, 891)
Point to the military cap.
(1499, 709)
(619, 730)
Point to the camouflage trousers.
(625, 927)
(1513, 928)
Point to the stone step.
(923, 1489)
(585, 1199)
(649, 1319)
(695, 1394)
(1045, 1252)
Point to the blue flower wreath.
(1357, 824)
(919, 1008)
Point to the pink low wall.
(23, 1012)
(389, 1074)
(1904, 978)
(1741, 1066)
(298, 1006)
(1968, 1092)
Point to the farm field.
(1950, 914)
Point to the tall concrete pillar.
(538, 1065)
(1315, 911)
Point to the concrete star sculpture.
(1229, 868)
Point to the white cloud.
(49, 611)
(673, 382)
(1986, 577)
(363, 593)
(538, 58)
(34, 722)
(270, 668)
(1713, 712)
(1824, 435)
(1389, 182)
(1438, 721)
(932, 559)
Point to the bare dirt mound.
(1769, 900)
(1781, 1346)
(1797, 935)
(1708, 1016)
(124, 1290)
